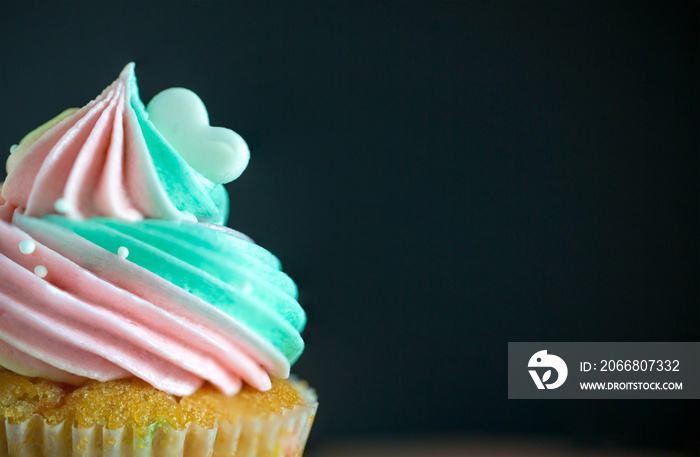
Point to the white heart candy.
(218, 153)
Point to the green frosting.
(235, 275)
(187, 189)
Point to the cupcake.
(133, 321)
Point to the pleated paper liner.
(280, 435)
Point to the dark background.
(439, 179)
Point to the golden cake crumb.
(115, 404)
(22, 397)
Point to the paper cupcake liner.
(281, 435)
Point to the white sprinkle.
(61, 205)
(26, 246)
(187, 216)
(123, 252)
(12, 148)
(41, 271)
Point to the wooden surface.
(471, 447)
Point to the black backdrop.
(439, 178)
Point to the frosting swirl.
(108, 159)
(116, 263)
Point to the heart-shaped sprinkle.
(218, 153)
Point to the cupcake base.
(278, 434)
